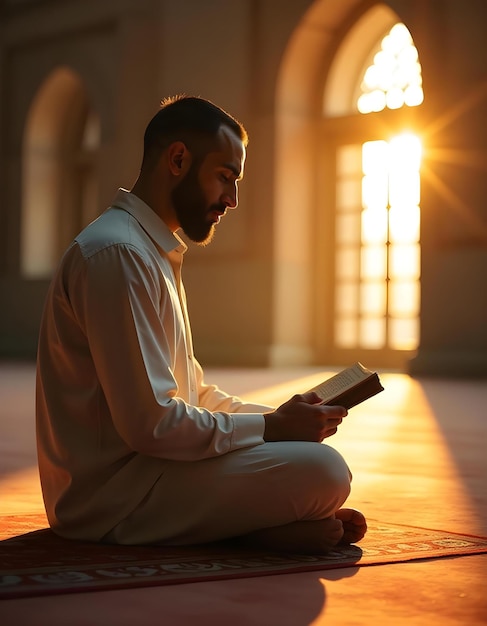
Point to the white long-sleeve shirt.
(119, 391)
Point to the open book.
(349, 387)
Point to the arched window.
(59, 190)
(393, 79)
(376, 165)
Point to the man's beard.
(190, 207)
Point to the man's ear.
(179, 158)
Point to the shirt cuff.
(248, 430)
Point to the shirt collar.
(154, 226)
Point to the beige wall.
(252, 293)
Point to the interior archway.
(307, 92)
(60, 131)
(298, 112)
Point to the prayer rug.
(37, 562)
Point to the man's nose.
(231, 199)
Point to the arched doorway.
(373, 153)
(59, 180)
(322, 140)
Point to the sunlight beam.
(461, 107)
(457, 204)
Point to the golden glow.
(348, 262)
(377, 295)
(346, 332)
(374, 223)
(466, 218)
(394, 79)
(372, 333)
(404, 298)
(375, 190)
(348, 228)
(374, 156)
(373, 299)
(454, 202)
(374, 262)
(403, 333)
(347, 298)
(404, 261)
(349, 160)
(349, 193)
(404, 178)
(402, 428)
(404, 225)
(405, 149)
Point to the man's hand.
(303, 418)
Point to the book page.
(342, 381)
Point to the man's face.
(209, 188)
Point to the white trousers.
(273, 484)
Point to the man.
(133, 446)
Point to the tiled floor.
(418, 453)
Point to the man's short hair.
(192, 120)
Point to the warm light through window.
(378, 254)
(394, 78)
(377, 227)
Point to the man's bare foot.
(305, 537)
(311, 537)
(354, 525)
